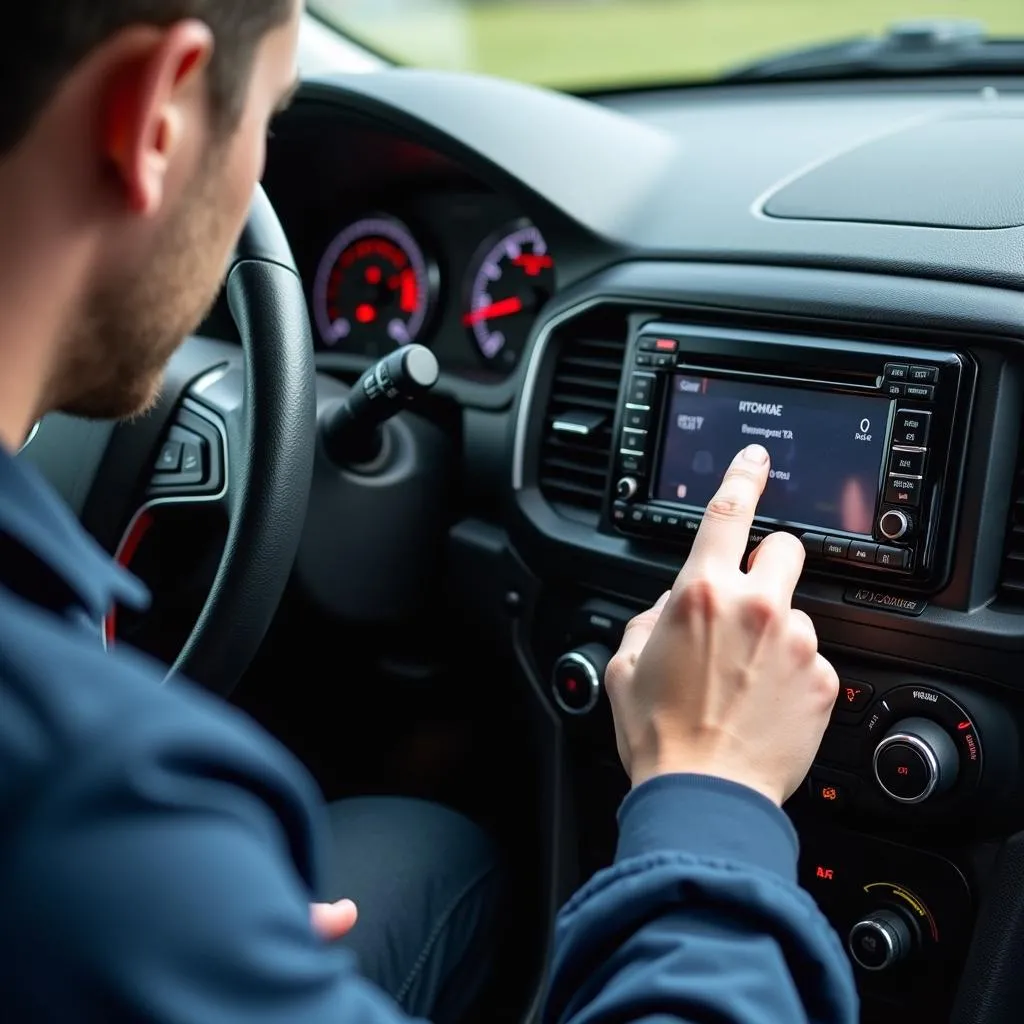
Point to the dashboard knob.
(880, 940)
(894, 524)
(577, 678)
(916, 759)
(626, 488)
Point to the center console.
(894, 446)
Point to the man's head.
(130, 141)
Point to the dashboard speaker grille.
(1011, 585)
(576, 447)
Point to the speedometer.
(374, 288)
(512, 278)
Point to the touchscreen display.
(826, 449)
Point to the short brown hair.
(43, 40)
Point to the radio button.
(862, 552)
(637, 516)
(893, 389)
(620, 511)
(896, 371)
(813, 543)
(634, 441)
(644, 359)
(892, 558)
(663, 362)
(637, 419)
(923, 392)
(632, 464)
(641, 389)
(924, 375)
(657, 518)
(907, 463)
(911, 428)
(903, 490)
(673, 524)
(691, 524)
(836, 547)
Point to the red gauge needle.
(507, 307)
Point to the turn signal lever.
(351, 431)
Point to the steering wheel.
(234, 427)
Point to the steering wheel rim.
(271, 444)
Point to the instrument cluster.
(459, 272)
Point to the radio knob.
(916, 759)
(894, 524)
(626, 488)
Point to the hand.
(334, 920)
(723, 677)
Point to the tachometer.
(512, 279)
(374, 288)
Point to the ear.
(155, 98)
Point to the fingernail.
(756, 454)
(662, 601)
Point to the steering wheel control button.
(911, 428)
(897, 371)
(907, 461)
(894, 524)
(916, 759)
(169, 459)
(577, 678)
(923, 375)
(903, 490)
(836, 547)
(880, 940)
(862, 552)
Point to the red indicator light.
(829, 793)
(850, 694)
(571, 685)
(665, 345)
(373, 275)
(903, 770)
(533, 264)
(365, 313)
(825, 873)
(410, 291)
(963, 726)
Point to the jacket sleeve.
(699, 919)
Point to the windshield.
(598, 44)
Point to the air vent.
(1011, 586)
(580, 413)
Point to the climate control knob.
(895, 524)
(577, 678)
(916, 759)
(880, 940)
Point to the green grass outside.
(593, 43)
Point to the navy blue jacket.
(158, 853)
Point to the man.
(155, 850)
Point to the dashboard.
(621, 291)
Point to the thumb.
(334, 920)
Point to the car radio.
(866, 442)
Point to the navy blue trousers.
(427, 884)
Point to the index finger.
(725, 530)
